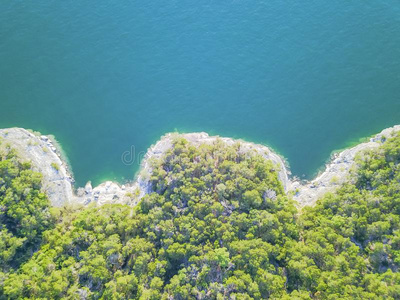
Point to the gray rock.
(31, 148)
(88, 188)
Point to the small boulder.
(88, 188)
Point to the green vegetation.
(24, 212)
(55, 166)
(217, 225)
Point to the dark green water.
(305, 77)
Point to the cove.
(111, 76)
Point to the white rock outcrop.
(45, 158)
(337, 171)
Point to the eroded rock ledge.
(58, 181)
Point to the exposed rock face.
(58, 183)
(45, 158)
(337, 171)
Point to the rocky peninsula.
(46, 157)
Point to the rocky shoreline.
(111, 192)
(46, 158)
(336, 171)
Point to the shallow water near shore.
(107, 80)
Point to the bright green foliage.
(350, 240)
(218, 225)
(213, 227)
(24, 211)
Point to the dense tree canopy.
(24, 212)
(217, 225)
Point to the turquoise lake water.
(304, 77)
